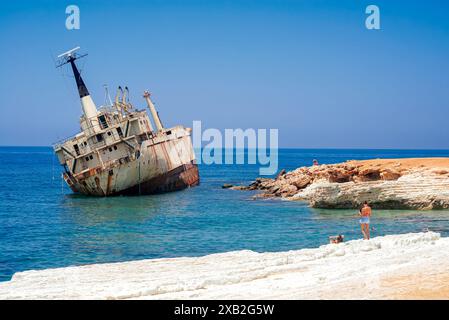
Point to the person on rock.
(365, 214)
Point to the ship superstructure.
(120, 152)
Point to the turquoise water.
(42, 225)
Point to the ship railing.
(108, 141)
(90, 128)
(61, 142)
(107, 109)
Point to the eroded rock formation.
(385, 183)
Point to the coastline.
(406, 183)
(405, 266)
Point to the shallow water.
(43, 225)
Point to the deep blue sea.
(43, 225)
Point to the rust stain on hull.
(182, 177)
(97, 183)
(108, 188)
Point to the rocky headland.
(412, 183)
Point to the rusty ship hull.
(156, 167)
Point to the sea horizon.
(280, 148)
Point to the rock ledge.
(413, 183)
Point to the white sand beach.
(407, 266)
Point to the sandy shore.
(405, 266)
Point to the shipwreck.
(119, 151)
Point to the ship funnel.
(88, 105)
(156, 119)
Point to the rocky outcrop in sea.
(421, 184)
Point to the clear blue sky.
(309, 68)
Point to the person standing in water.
(365, 214)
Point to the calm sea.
(43, 225)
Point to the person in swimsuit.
(365, 214)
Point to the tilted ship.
(118, 152)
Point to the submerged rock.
(239, 188)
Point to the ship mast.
(88, 105)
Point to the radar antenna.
(69, 56)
